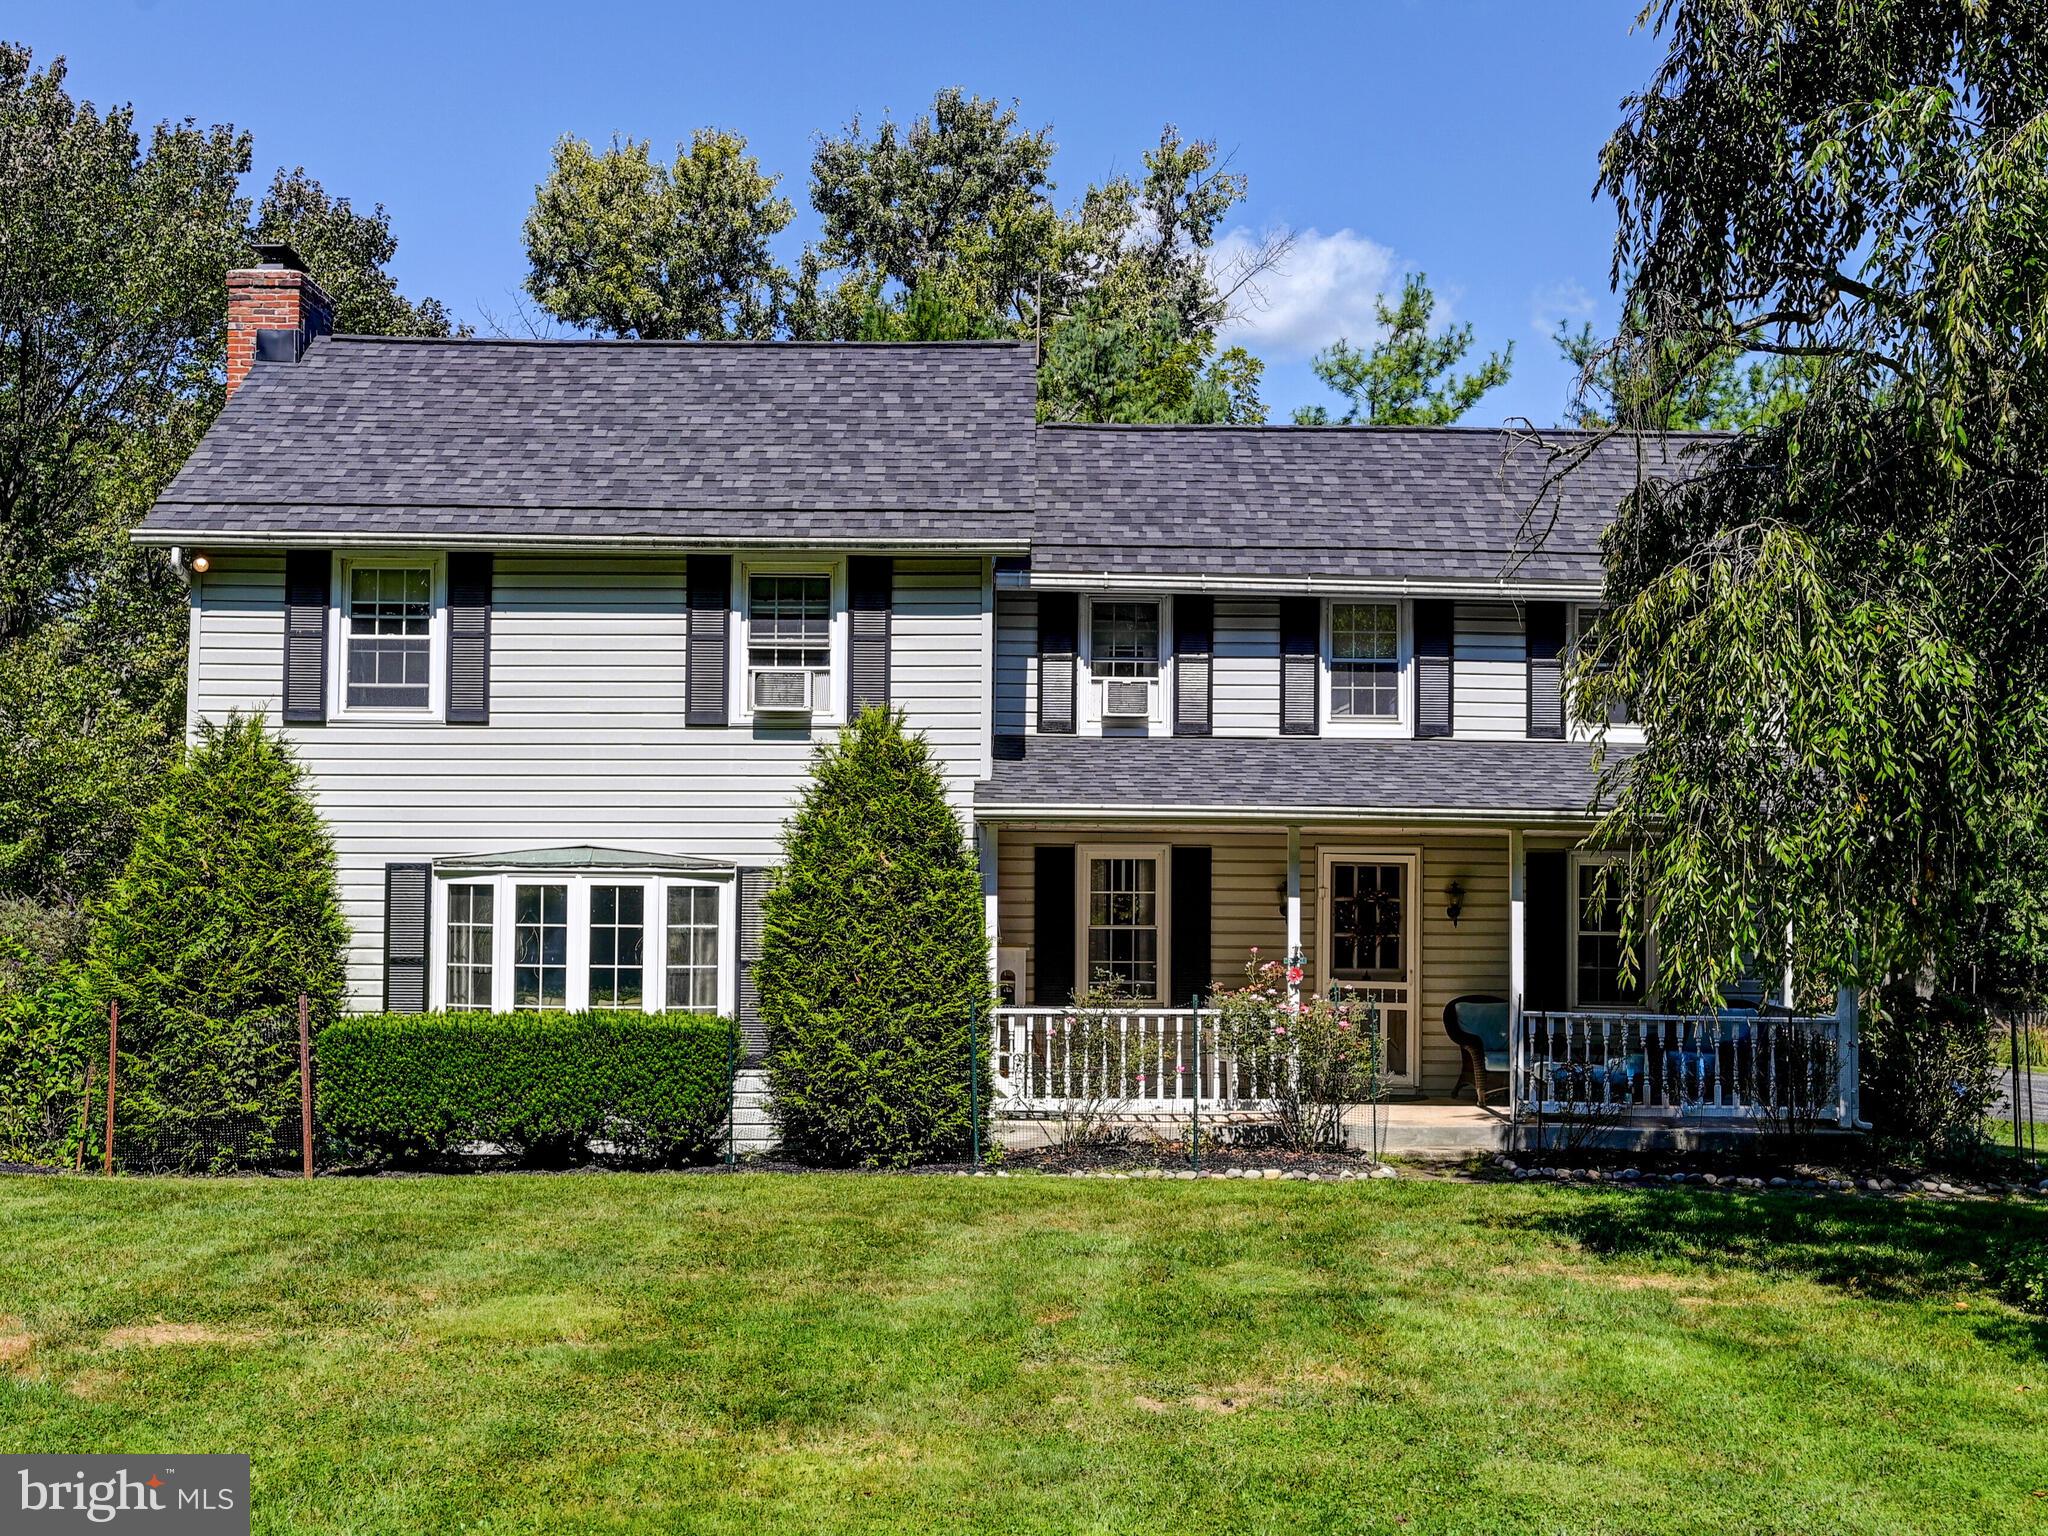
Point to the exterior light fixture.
(1456, 907)
(200, 564)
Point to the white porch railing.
(1734, 1066)
(1144, 1060)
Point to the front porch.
(1636, 1080)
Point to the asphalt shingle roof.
(1454, 504)
(634, 439)
(1277, 774)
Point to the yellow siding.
(1249, 876)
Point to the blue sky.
(1457, 138)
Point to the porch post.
(985, 856)
(1518, 930)
(1294, 907)
(1846, 1041)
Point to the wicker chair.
(1478, 1024)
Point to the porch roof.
(1288, 777)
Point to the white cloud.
(1322, 289)
(1564, 302)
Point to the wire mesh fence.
(2020, 1058)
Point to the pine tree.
(226, 910)
(873, 976)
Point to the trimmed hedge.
(543, 1085)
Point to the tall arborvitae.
(226, 910)
(873, 977)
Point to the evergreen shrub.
(541, 1085)
(873, 974)
(226, 910)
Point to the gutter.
(243, 538)
(1337, 586)
(1317, 815)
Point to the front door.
(1366, 944)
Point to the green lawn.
(646, 1353)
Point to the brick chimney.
(274, 311)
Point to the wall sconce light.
(1456, 908)
(200, 564)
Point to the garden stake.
(974, 1082)
(113, 1047)
(1195, 1134)
(305, 1088)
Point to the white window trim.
(1583, 860)
(834, 712)
(1158, 853)
(576, 993)
(1400, 724)
(338, 707)
(1574, 729)
(1159, 722)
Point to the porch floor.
(1426, 1129)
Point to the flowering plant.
(1313, 1057)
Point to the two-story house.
(555, 626)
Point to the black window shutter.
(1059, 629)
(710, 597)
(870, 587)
(469, 638)
(406, 914)
(1546, 669)
(753, 885)
(1300, 665)
(1433, 688)
(1188, 940)
(1053, 937)
(1546, 928)
(1194, 664)
(307, 586)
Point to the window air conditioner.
(779, 691)
(1127, 698)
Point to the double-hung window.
(1585, 633)
(472, 948)
(618, 945)
(1123, 921)
(388, 637)
(693, 948)
(1123, 638)
(1365, 663)
(789, 634)
(540, 946)
(1597, 908)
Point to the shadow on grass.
(1882, 1250)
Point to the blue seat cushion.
(1489, 1021)
(1496, 1061)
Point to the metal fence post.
(1195, 1117)
(85, 1118)
(974, 1081)
(732, 1087)
(305, 1087)
(113, 1058)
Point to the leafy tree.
(1832, 630)
(962, 186)
(226, 910)
(873, 975)
(622, 246)
(1405, 379)
(1103, 365)
(1723, 393)
(112, 346)
(346, 252)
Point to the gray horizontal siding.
(1490, 691)
(1247, 696)
(586, 742)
